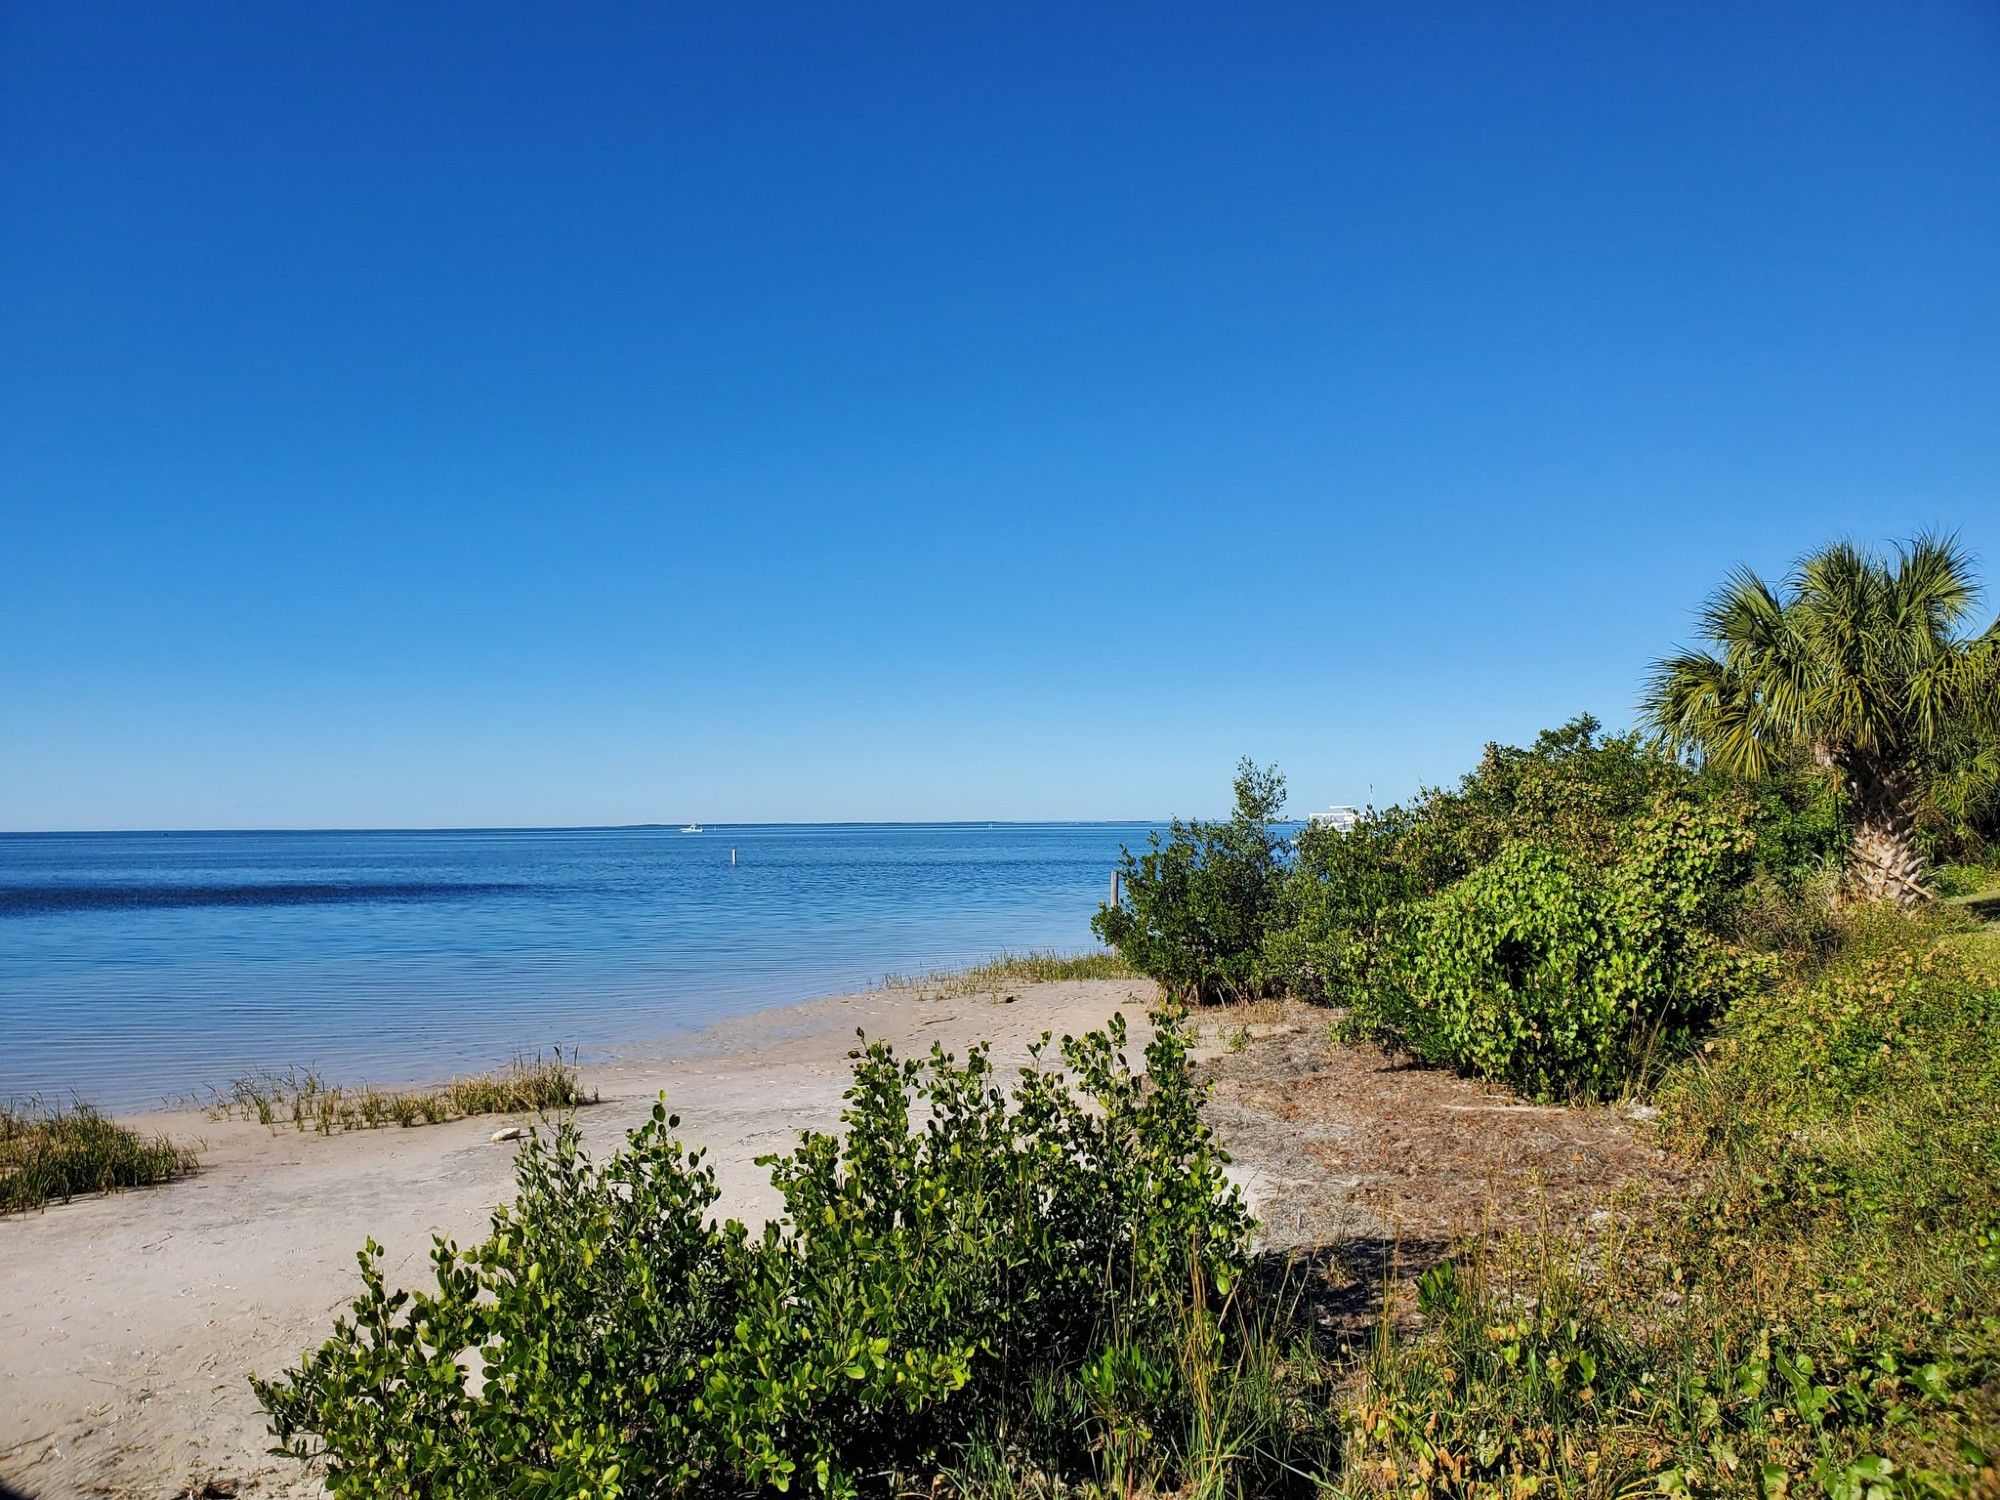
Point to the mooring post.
(1114, 887)
(732, 856)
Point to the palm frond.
(1699, 702)
(1933, 586)
(1854, 655)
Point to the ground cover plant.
(1822, 1316)
(51, 1154)
(299, 1097)
(1044, 1282)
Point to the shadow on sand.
(1342, 1288)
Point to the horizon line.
(594, 827)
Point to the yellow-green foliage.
(51, 1155)
(1044, 965)
(1564, 980)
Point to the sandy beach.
(128, 1322)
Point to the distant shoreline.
(665, 827)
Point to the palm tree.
(1857, 665)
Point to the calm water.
(135, 967)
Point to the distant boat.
(1340, 819)
(692, 828)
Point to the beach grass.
(1035, 966)
(301, 1098)
(49, 1155)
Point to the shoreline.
(129, 1323)
(132, 1320)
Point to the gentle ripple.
(136, 968)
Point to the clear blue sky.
(472, 414)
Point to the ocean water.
(137, 968)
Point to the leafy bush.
(1574, 792)
(1036, 1279)
(1195, 906)
(51, 1155)
(1500, 976)
(1556, 921)
(1802, 826)
(1344, 900)
(1563, 981)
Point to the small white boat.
(692, 828)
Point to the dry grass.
(299, 1097)
(51, 1155)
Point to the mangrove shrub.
(1196, 905)
(961, 1261)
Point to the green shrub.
(1574, 792)
(1566, 982)
(51, 1155)
(1342, 902)
(1196, 906)
(1037, 1275)
(1499, 976)
(1802, 824)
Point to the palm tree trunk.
(1883, 861)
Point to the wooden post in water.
(1115, 877)
(732, 857)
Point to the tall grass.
(52, 1154)
(1235, 1406)
(301, 1098)
(1036, 966)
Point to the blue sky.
(450, 414)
